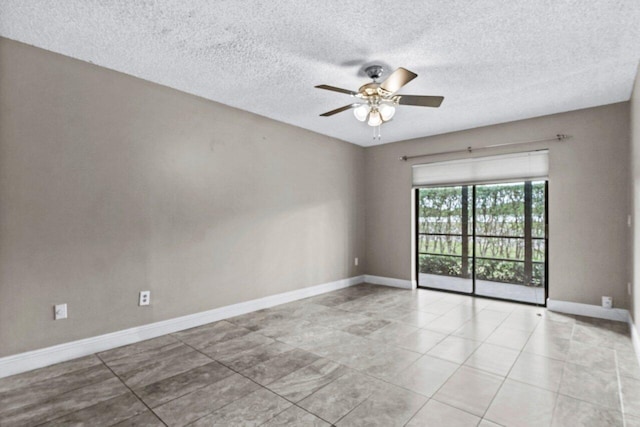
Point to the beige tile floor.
(366, 355)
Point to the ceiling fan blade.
(338, 110)
(420, 101)
(337, 89)
(397, 79)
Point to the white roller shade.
(519, 166)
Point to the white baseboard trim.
(635, 337)
(15, 364)
(589, 310)
(388, 281)
(619, 314)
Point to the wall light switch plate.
(355, 261)
(145, 298)
(59, 311)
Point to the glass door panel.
(486, 239)
(510, 241)
(445, 244)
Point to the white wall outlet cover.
(60, 311)
(607, 302)
(355, 261)
(145, 298)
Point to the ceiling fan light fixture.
(386, 111)
(374, 118)
(377, 101)
(361, 112)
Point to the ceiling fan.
(378, 100)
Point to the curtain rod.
(558, 137)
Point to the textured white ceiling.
(494, 61)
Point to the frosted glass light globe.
(361, 112)
(386, 111)
(374, 118)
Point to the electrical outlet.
(607, 302)
(59, 311)
(145, 298)
(355, 261)
(629, 288)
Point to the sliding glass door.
(487, 240)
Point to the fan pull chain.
(376, 133)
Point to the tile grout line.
(457, 369)
(178, 374)
(255, 382)
(564, 367)
(296, 403)
(354, 408)
(504, 379)
(395, 346)
(305, 410)
(416, 413)
(45, 422)
(557, 394)
(327, 358)
(450, 334)
(624, 418)
(329, 383)
(286, 409)
(618, 377)
(130, 389)
(366, 374)
(484, 413)
(48, 378)
(226, 366)
(66, 392)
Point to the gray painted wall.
(635, 195)
(588, 199)
(110, 185)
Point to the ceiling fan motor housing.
(374, 71)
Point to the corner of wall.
(635, 199)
